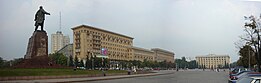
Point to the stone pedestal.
(37, 52)
(37, 45)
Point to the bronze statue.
(39, 18)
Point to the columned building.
(213, 61)
(88, 41)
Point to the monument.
(37, 50)
(38, 43)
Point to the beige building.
(213, 61)
(141, 54)
(88, 41)
(161, 55)
(58, 41)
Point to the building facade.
(213, 61)
(161, 55)
(58, 40)
(141, 54)
(88, 41)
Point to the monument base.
(37, 45)
(38, 62)
(37, 53)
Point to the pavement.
(162, 72)
(182, 76)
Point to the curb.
(125, 76)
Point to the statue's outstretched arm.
(46, 12)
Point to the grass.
(51, 72)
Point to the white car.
(249, 80)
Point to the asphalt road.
(188, 76)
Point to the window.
(257, 81)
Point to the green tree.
(252, 28)
(88, 63)
(182, 63)
(71, 61)
(1, 62)
(92, 62)
(16, 61)
(76, 61)
(81, 64)
(59, 58)
(244, 53)
(192, 64)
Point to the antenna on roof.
(60, 27)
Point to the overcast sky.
(186, 27)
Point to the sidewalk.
(88, 78)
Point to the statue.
(39, 18)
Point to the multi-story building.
(58, 41)
(161, 55)
(88, 41)
(141, 54)
(213, 61)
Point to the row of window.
(103, 36)
(143, 57)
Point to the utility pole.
(249, 58)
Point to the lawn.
(51, 72)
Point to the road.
(188, 76)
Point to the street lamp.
(249, 58)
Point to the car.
(236, 70)
(251, 79)
(248, 74)
(233, 77)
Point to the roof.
(158, 49)
(138, 48)
(87, 26)
(213, 55)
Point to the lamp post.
(249, 58)
(92, 62)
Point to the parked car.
(251, 79)
(233, 77)
(236, 70)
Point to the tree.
(192, 64)
(244, 53)
(1, 62)
(76, 61)
(81, 64)
(182, 63)
(70, 61)
(59, 58)
(16, 61)
(252, 36)
(88, 63)
(92, 62)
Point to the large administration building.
(213, 61)
(88, 41)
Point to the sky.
(186, 27)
